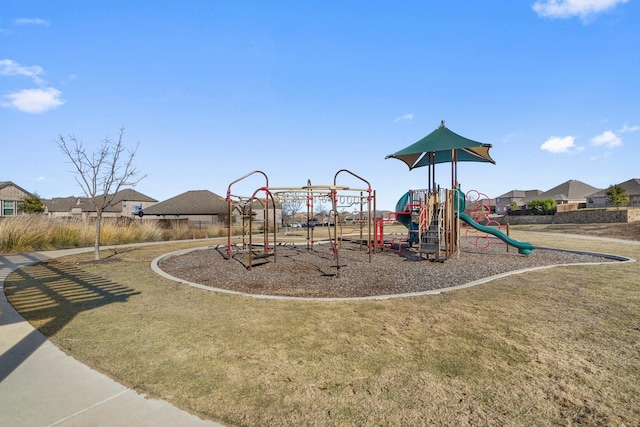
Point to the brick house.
(11, 197)
(569, 195)
(632, 187)
(520, 197)
(200, 207)
(126, 203)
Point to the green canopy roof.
(443, 146)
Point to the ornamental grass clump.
(22, 233)
(178, 231)
(216, 231)
(65, 235)
(120, 232)
(112, 234)
(36, 232)
(148, 231)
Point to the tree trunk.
(97, 243)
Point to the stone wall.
(525, 219)
(581, 216)
(634, 215)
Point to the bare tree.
(102, 173)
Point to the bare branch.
(102, 174)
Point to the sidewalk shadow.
(50, 296)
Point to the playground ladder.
(429, 227)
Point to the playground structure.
(258, 211)
(432, 215)
(433, 222)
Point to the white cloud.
(607, 138)
(34, 100)
(626, 128)
(32, 21)
(556, 144)
(29, 100)
(405, 117)
(571, 8)
(9, 67)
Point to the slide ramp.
(524, 248)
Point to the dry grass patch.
(556, 346)
(630, 231)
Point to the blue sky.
(212, 90)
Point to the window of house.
(8, 208)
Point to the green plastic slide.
(405, 219)
(460, 205)
(524, 248)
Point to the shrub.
(32, 204)
(545, 206)
(617, 195)
(536, 207)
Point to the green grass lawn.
(558, 346)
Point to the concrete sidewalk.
(42, 386)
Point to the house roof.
(62, 204)
(570, 190)
(131, 195)
(65, 204)
(525, 195)
(195, 202)
(4, 184)
(632, 187)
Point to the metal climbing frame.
(340, 197)
(244, 206)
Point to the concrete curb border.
(156, 268)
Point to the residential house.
(520, 197)
(484, 205)
(632, 187)
(10, 197)
(257, 208)
(569, 195)
(131, 202)
(126, 203)
(200, 207)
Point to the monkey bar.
(339, 197)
